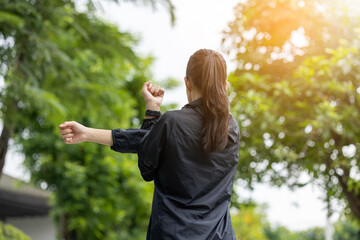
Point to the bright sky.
(199, 24)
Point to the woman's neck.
(194, 95)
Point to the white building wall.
(38, 228)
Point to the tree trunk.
(66, 234)
(4, 143)
(352, 198)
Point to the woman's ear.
(187, 83)
(227, 84)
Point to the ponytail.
(207, 70)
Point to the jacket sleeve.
(148, 123)
(151, 147)
(126, 140)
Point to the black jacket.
(192, 188)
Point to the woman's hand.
(73, 132)
(153, 96)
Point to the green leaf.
(12, 19)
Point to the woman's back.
(192, 187)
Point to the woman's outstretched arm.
(74, 132)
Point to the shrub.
(9, 232)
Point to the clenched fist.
(73, 132)
(153, 96)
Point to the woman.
(191, 154)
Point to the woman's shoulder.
(178, 115)
(169, 115)
(234, 130)
(233, 123)
(184, 122)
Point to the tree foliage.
(9, 232)
(268, 35)
(61, 64)
(251, 223)
(298, 106)
(248, 222)
(347, 229)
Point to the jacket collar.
(196, 103)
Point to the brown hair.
(206, 69)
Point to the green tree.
(316, 233)
(61, 64)
(248, 222)
(34, 29)
(251, 223)
(277, 233)
(347, 229)
(267, 35)
(299, 113)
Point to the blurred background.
(294, 73)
